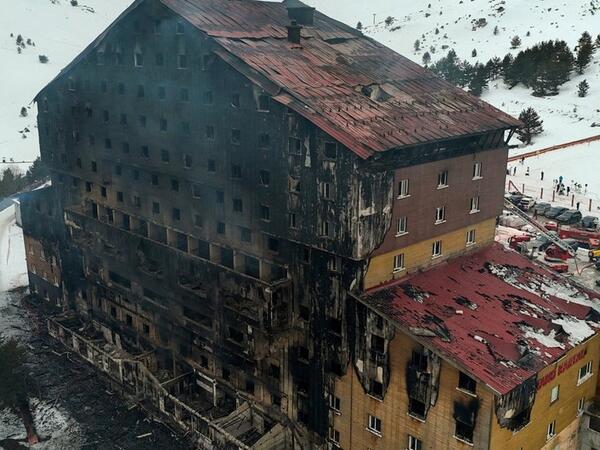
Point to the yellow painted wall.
(436, 433)
(563, 410)
(418, 256)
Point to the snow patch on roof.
(578, 330)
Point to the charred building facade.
(239, 191)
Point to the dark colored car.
(555, 211)
(569, 216)
(541, 208)
(515, 199)
(542, 242)
(590, 222)
(574, 244)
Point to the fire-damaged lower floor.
(188, 400)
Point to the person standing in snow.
(542, 175)
(560, 179)
(527, 173)
(515, 170)
(578, 205)
(568, 189)
(585, 190)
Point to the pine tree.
(496, 30)
(43, 59)
(515, 42)
(532, 125)
(389, 20)
(38, 171)
(359, 26)
(24, 112)
(449, 68)
(474, 53)
(598, 41)
(582, 88)
(494, 68)
(426, 58)
(479, 80)
(417, 45)
(585, 50)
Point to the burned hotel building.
(277, 233)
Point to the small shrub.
(43, 59)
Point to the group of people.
(573, 186)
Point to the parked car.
(569, 216)
(590, 222)
(573, 243)
(515, 198)
(555, 211)
(541, 208)
(542, 242)
(526, 203)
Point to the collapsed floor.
(73, 405)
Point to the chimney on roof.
(299, 12)
(293, 30)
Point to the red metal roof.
(494, 313)
(325, 79)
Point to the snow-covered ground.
(13, 269)
(577, 164)
(59, 31)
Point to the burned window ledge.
(464, 391)
(470, 444)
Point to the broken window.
(294, 146)
(436, 249)
(184, 95)
(103, 191)
(330, 150)
(273, 244)
(265, 177)
(466, 383)
(174, 185)
(263, 103)
(120, 196)
(551, 431)
(156, 207)
(236, 335)
(252, 266)
(293, 220)
(154, 179)
(238, 205)
(245, 234)
(554, 393)
(265, 213)
(165, 156)
(176, 214)
(221, 230)
(227, 257)
(187, 160)
(376, 389)
(585, 372)
(210, 132)
(196, 191)
(236, 136)
(138, 59)
(326, 191)
(401, 226)
(465, 416)
(236, 171)
(250, 386)
(179, 28)
(416, 408)
(182, 62)
(211, 166)
(264, 140)
(327, 229)
(235, 100)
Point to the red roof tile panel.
(330, 74)
(494, 313)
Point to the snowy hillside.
(59, 31)
(566, 116)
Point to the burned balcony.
(89, 232)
